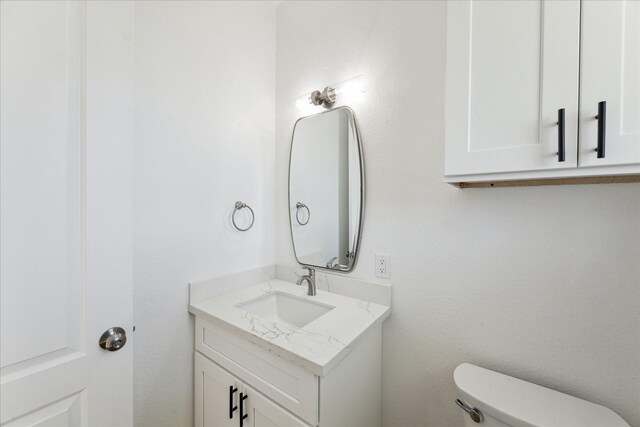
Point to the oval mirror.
(326, 190)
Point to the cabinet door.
(262, 412)
(610, 72)
(511, 65)
(212, 395)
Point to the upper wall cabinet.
(610, 73)
(515, 77)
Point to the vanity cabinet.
(525, 82)
(212, 385)
(279, 392)
(218, 401)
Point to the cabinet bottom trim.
(612, 179)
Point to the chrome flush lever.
(474, 413)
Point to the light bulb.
(302, 102)
(350, 90)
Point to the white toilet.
(494, 399)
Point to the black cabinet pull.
(242, 414)
(232, 408)
(602, 127)
(561, 145)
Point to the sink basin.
(283, 308)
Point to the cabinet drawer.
(285, 383)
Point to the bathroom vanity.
(270, 355)
(278, 354)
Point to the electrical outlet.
(383, 268)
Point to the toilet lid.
(521, 403)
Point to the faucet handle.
(310, 271)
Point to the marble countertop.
(318, 346)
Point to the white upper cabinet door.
(511, 66)
(610, 74)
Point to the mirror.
(326, 190)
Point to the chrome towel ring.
(300, 206)
(240, 205)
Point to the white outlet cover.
(382, 266)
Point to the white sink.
(284, 308)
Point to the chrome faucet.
(311, 281)
(330, 263)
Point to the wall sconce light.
(326, 98)
(346, 91)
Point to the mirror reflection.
(326, 189)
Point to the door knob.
(113, 339)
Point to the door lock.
(113, 339)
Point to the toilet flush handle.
(474, 413)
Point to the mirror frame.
(356, 241)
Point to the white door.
(216, 395)
(511, 66)
(610, 74)
(262, 412)
(66, 212)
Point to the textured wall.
(542, 283)
(205, 76)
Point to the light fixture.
(326, 98)
(346, 91)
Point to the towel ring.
(302, 206)
(240, 205)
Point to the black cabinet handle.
(602, 127)
(232, 408)
(242, 414)
(561, 145)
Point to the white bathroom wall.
(538, 282)
(204, 132)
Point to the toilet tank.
(507, 401)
